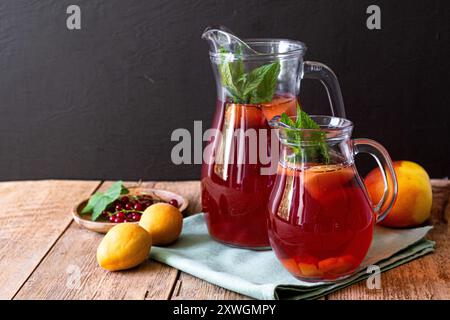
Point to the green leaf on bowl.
(99, 201)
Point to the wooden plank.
(70, 271)
(75, 254)
(425, 278)
(191, 288)
(33, 216)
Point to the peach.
(413, 204)
(278, 106)
(309, 270)
(337, 265)
(244, 116)
(290, 265)
(322, 180)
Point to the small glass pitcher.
(321, 220)
(234, 192)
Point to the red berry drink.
(234, 192)
(320, 221)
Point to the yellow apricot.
(163, 221)
(125, 246)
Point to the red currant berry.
(112, 219)
(174, 203)
(120, 215)
(145, 205)
(138, 206)
(124, 199)
(119, 207)
(129, 206)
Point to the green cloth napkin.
(258, 274)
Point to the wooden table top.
(46, 255)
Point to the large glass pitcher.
(321, 220)
(256, 81)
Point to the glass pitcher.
(255, 82)
(320, 217)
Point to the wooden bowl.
(103, 226)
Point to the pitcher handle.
(384, 161)
(319, 71)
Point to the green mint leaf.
(99, 201)
(237, 69)
(303, 120)
(319, 151)
(262, 82)
(226, 77)
(324, 152)
(257, 86)
(287, 121)
(231, 75)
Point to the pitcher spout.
(221, 38)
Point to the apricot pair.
(127, 245)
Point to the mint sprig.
(230, 75)
(255, 87)
(99, 201)
(261, 83)
(317, 150)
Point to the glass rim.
(298, 51)
(333, 127)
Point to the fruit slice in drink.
(323, 179)
(280, 104)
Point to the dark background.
(101, 102)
